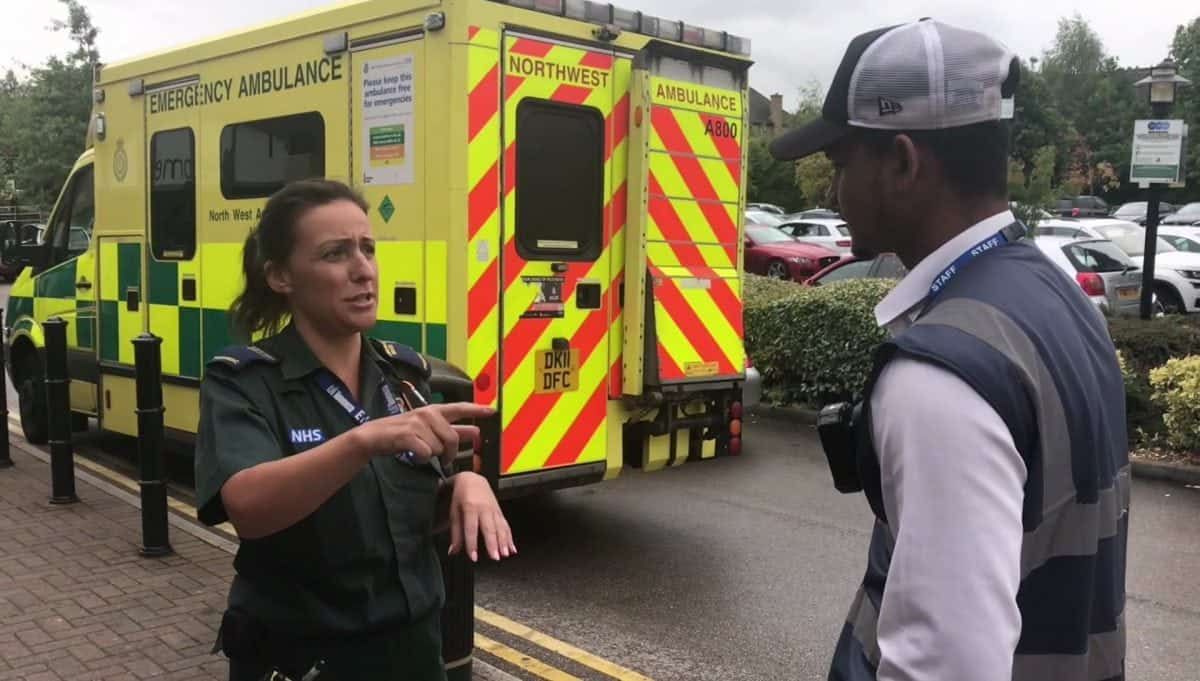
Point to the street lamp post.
(1163, 83)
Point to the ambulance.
(556, 188)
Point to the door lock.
(83, 285)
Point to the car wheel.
(778, 269)
(1169, 300)
(31, 395)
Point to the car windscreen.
(758, 217)
(1097, 256)
(1192, 210)
(768, 235)
(1135, 209)
(1132, 240)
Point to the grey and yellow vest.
(1019, 331)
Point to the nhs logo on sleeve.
(307, 436)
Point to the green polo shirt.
(362, 562)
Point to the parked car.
(832, 234)
(766, 208)
(1109, 277)
(763, 219)
(1176, 273)
(883, 266)
(814, 214)
(1136, 211)
(1082, 207)
(1186, 239)
(1188, 215)
(16, 234)
(772, 253)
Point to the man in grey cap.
(991, 442)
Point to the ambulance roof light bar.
(606, 14)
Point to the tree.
(1037, 122)
(44, 118)
(771, 181)
(1031, 185)
(814, 174)
(1185, 51)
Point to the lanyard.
(994, 241)
(331, 385)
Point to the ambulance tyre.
(31, 394)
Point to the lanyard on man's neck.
(1009, 234)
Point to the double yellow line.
(483, 643)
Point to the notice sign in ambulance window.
(560, 181)
(258, 158)
(173, 194)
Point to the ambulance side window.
(72, 227)
(173, 194)
(259, 157)
(560, 181)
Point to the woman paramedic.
(318, 445)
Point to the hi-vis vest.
(1018, 331)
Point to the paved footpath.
(77, 601)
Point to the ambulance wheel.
(31, 394)
(778, 269)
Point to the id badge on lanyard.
(336, 390)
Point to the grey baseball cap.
(925, 75)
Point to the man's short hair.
(974, 158)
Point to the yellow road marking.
(519, 659)
(556, 646)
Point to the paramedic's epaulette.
(239, 357)
(402, 355)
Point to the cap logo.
(889, 107)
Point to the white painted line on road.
(554, 645)
(519, 659)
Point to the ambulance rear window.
(560, 181)
(259, 157)
(173, 194)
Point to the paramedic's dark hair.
(974, 158)
(259, 307)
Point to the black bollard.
(58, 397)
(147, 353)
(5, 456)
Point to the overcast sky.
(794, 41)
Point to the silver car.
(1106, 274)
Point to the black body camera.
(836, 425)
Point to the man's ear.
(906, 164)
(278, 278)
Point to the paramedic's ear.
(278, 278)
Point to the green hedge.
(812, 345)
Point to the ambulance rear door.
(561, 103)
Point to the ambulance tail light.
(735, 410)
(735, 446)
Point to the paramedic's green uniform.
(357, 583)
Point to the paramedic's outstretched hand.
(474, 511)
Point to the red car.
(885, 266)
(772, 253)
